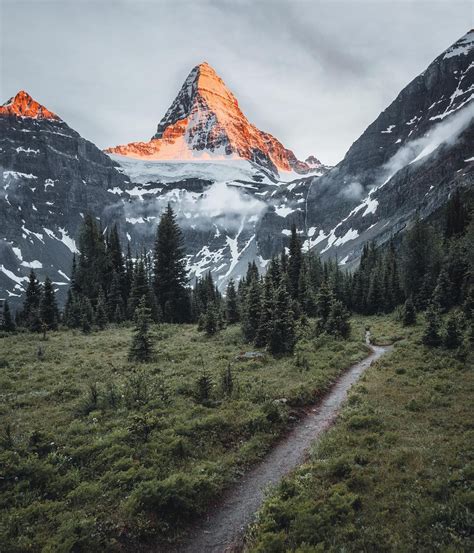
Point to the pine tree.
(252, 310)
(453, 337)
(282, 336)
(431, 335)
(231, 305)
(409, 313)
(169, 269)
(211, 320)
(204, 386)
(101, 318)
(141, 348)
(72, 310)
(48, 310)
(294, 262)
(31, 305)
(8, 325)
(139, 289)
(92, 264)
(264, 328)
(338, 324)
(115, 304)
(324, 299)
(87, 315)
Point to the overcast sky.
(313, 73)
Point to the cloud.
(221, 205)
(446, 132)
(353, 191)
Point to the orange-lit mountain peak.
(205, 121)
(23, 105)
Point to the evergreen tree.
(409, 313)
(421, 257)
(92, 265)
(266, 314)
(48, 310)
(231, 305)
(211, 320)
(140, 288)
(72, 310)
(100, 311)
(453, 337)
(87, 315)
(431, 336)
(30, 312)
(204, 386)
(294, 262)
(141, 348)
(169, 266)
(8, 325)
(282, 337)
(115, 303)
(252, 310)
(324, 299)
(338, 324)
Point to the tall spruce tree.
(294, 262)
(282, 335)
(338, 324)
(31, 305)
(409, 313)
(267, 308)
(169, 270)
(231, 304)
(252, 310)
(431, 336)
(8, 324)
(141, 347)
(48, 310)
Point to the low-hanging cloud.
(353, 191)
(220, 205)
(447, 132)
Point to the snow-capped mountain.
(51, 176)
(220, 173)
(205, 123)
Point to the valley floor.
(100, 454)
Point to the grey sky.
(313, 73)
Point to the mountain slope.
(406, 162)
(205, 122)
(51, 176)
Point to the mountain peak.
(205, 122)
(23, 105)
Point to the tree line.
(430, 268)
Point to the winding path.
(226, 522)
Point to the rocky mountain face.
(405, 163)
(51, 176)
(205, 122)
(235, 189)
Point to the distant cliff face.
(406, 162)
(51, 176)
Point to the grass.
(395, 473)
(100, 454)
